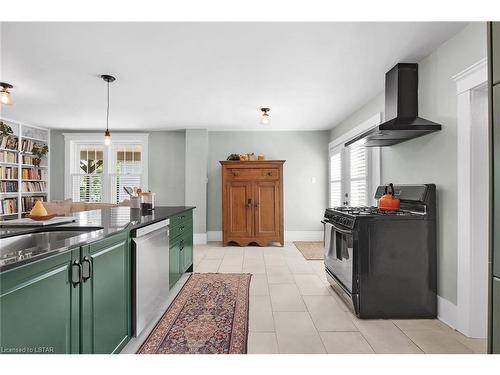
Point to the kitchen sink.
(29, 245)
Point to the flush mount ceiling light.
(108, 79)
(265, 120)
(5, 95)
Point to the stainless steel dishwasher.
(150, 257)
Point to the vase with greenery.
(5, 129)
(39, 151)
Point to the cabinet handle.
(269, 173)
(236, 173)
(249, 202)
(257, 204)
(76, 279)
(88, 275)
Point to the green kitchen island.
(69, 288)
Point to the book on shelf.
(8, 142)
(27, 203)
(33, 174)
(9, 173)
(8, 186)
(34, 186)
(28, 159)
(8, 206)
(8, 157)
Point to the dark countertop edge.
(85, 241)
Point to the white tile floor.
(294, 310)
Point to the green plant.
(5, 129)
(40, 150)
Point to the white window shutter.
(336, 178)
(358, 184)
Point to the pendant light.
(265, 120)
(107, 136)
(5, 95)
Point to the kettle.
(388, 202)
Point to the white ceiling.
(204, 75)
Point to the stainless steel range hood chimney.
(401, 108)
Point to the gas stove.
(383, 263)
(347, 215)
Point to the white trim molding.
(311, 235)
(73, 139)
(200, 238)
(447, 312)
(374, 158)
(472, 216)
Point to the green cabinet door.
(174, 263)
(39, 307)
(496, 180)
(495, 337)
(106, 295)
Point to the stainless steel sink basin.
(24, 246)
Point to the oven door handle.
(344, 231)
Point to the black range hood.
(401, 108)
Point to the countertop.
(99, 224)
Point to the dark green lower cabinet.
(495, 338)
(174, 273)
(106, 322)
(181, 246)
(42, 311)
(40, 308)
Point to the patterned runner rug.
(208, 316)
(311, 250)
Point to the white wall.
(433, 158)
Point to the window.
(126, 171)
(87, 182)
(97, 173)
(349, 175)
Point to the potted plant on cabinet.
(39, 151)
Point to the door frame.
(472, 241)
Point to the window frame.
(72, 141)
(373, 160)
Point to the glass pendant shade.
(107, 138)
(5, 95)
(265, 119)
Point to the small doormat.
(311, 250)
(208, 316)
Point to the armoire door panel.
(267, 203)
(239, 209)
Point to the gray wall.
(433, 158)
(56, 168)
(196, 176)
(306, 157)
(166, 166)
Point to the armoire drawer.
(252, 173)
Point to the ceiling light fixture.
(265, 120)
(108, 79)
(5, 95)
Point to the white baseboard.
(289, 235)
(214, 235)
(306, 235)
(447, 312)
(200, 238)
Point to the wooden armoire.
(252, 202)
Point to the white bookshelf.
(24, 132)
